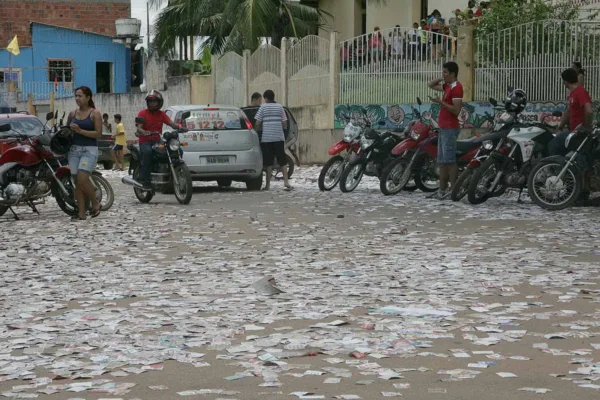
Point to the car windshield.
(24, 126)
(213, 119)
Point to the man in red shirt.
(451, 103)
(579, 111)
(149, 132)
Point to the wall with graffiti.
(473, 115)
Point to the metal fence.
(392, 66)
(229, 80)
(42, 90)
(308, 72)
(533, 55)
(264, 70)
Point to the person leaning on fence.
(436, 24)
(451, 104)
(397, 44)
(580, 72)
(414, 41)
(424, 38)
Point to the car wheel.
(108, 165)
(254, 184)
(225, 183)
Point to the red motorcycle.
(30, 171)
(417, 158)
(342, 151)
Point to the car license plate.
(217, 160)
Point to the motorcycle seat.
(462, 146)
(493, 136)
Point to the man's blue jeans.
(146, 150)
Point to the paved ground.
(382, 297)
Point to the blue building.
(62, 59)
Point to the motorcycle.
(557, 182)
(168, 169)
(488, 142)
(373, 156)
(30, 172)
(417, 158)
(511, 161)
(342, 151)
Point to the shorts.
(447, 146)
(117, 147)
(83, 158)
(272, 150)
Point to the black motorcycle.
(374, 155)
(169, 171)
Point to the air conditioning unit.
(128, 27)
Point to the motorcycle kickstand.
(14, 214)
(33, 207)
(519, 201)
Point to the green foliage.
(234, 25)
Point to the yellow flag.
(13, 46)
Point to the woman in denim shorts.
(86, 123)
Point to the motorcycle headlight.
(414, 135)
(488, 145)
(351, 132)
(174, 144)
(366, 143)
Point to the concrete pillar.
(213, 71)
(245, 77)
(334, 76)
(11, 87)
(283, 74)
(465, 58)
(30, 106)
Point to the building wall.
(84, 49)
(397, 12)
(347, 18)
(97, 16)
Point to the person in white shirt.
(397, 44)
(414, 41)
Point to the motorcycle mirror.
(5, 128)
(186, 115)
(49, 116)
(56, 114)
(419, 102)
(493, 101)
(140, 120)
(557, 113)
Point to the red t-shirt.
(154, 123)
(447, 120)
(578, 98)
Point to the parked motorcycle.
(342, 151)
(488, 141)
(168, 169)
(416, 158)
(511, 161)
(30, 172)
(372, 158)
(557, 182)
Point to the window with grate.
(60, 70)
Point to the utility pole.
(148, 23)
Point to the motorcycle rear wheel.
(357, 171)
(337, 162)
(397, 174)
(185, 189)
(142, 195)
(478, 191)
(461, 187)
(108, 194)
(544, 176)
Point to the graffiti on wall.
(472, 116)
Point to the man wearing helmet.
(148, 133)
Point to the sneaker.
(440, 195)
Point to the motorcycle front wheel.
(427, 176)
(142, 195)
(331, 173)
(66, 202)
(351, 177)
(462, 185)
(551, 193)
(185, 188)
(395, 177)
(479, 187)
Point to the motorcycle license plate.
(217, 160)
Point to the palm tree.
(233, 25)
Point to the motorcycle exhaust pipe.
(128, 180)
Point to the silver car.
(221, 146)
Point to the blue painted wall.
(84, 49)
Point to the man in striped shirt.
(271, 117)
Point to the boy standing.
(117, 150)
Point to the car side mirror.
(49, 116)
(557, 113)
(186, 115)
(56, 114)
(493, 102)
(5, 128)
(419, 102)
(140, 120)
